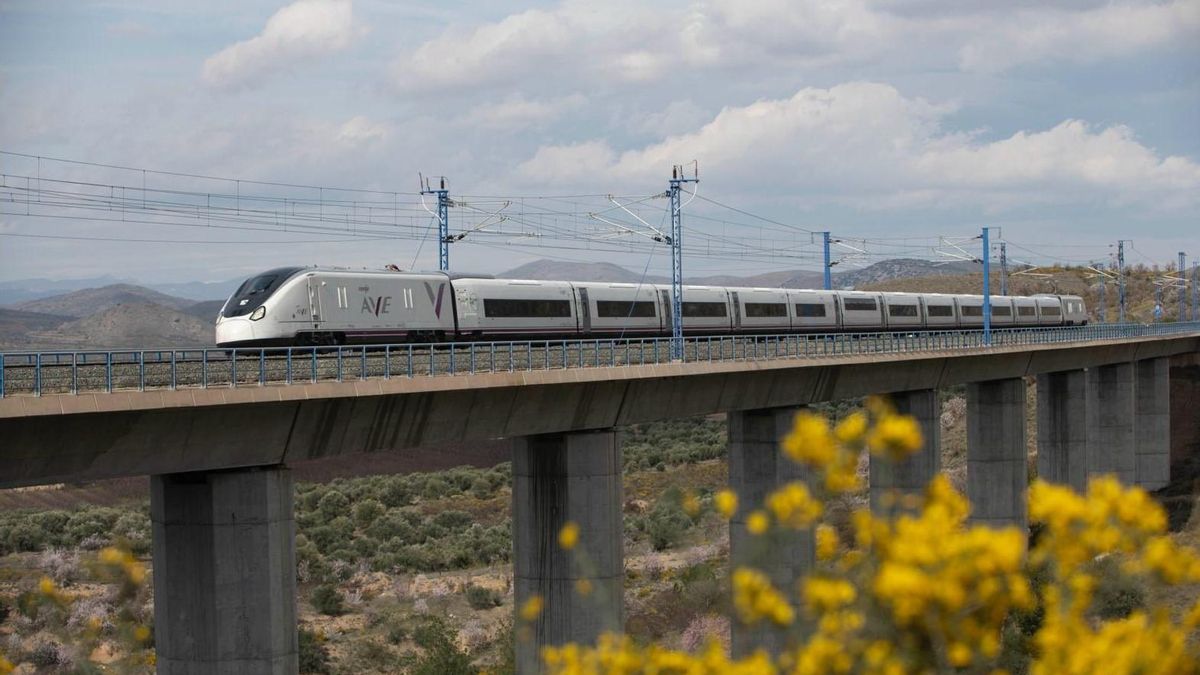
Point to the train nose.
(234, 330)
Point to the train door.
(668, 321)
(737, 311)
(585, 311)
(314, 301)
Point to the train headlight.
(258, 313)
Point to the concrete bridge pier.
(757, 467)
(224, 572)
(560, 478)
(997, 477)
(1110, 440)
(1152, 422)
(1062, 428)
(891, 482)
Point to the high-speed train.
(331, 306)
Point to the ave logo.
(377, 305)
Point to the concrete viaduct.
(221, 492)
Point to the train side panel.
(861, 311)
(762, 310)
(514, 308)
(814, 311)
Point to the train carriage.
(761, 310)
(940, 311)
(902, 311)
(616, 309)
(861, 311)
(814, 311)
(515, 308)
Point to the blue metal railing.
(107, 371)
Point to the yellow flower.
(111, 555)
(756, 599)
(810, 441)
(47, 587)
(6, 666)
(827, 542)
(825, 595)
(726, 502)
(532, 608)
(757, 522)
(136, 572)
(851, 430)
(793, 505)
(568, 536)
(960, 655)
(141, 633)
(583, 587)
(895, 437)
(691, 503)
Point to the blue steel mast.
(987, 290)
(677, 180)
(443, 216)
(828, 264)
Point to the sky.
(901, 126)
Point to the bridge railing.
(73, 372)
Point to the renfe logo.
(376, 306)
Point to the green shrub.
(1117, 594)
(366, 511)
(453, 520)
(314, 657)
(442, 656)
(327, 599)
(333, 504)
(481, 598)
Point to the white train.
(329, 306)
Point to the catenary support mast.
(677, 181)
(443, 216)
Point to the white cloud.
(865, 144)
(1036, 35)
(517, 111)
(300, 31)
(630, 43)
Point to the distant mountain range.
(24, 290)
(899, 268)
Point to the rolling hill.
(90, 301)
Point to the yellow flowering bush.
(922, 590)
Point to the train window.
(860, 304)
(528, 309)
(704, 309)
(1001, 310)
(972, 310)
(1026, 311)
(810, 309)
(939, 310)
(621, 309)
(902, 310)
(763, 309)
(1050, 310)
(254, 291)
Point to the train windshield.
(254, 291)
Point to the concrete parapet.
(891, 481)
(561, 478)
(757, 467)
(224, 572)
(1110, 415)
(1152, 422)
(1062, 428)
(997, 477)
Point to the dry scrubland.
(411, 572)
